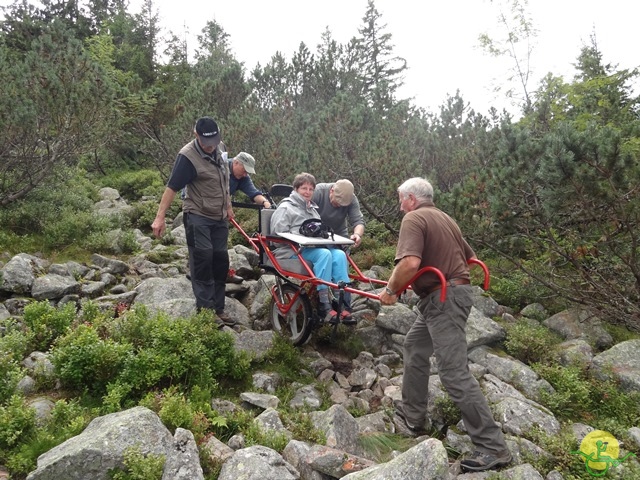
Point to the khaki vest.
(208, 194)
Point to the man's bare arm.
(405, 269)
(159, 224)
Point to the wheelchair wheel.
(298, 322)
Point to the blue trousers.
(329, 264)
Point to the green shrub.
(572, 392)
(579, 396)
(620, 333)
(132, 186)
(608, 401)
(109, 239)
(14, 346)
(161, 256)
(559, 446)
(448, 410)
(139, 466)
(76, 228)
(284, 358)
(10, 375)
(255, 435)
(169, 350)
(67, 420)
(17, 422)
(299, 423)
(176, 410)
(164, 351)
(83, 360)
(67, 221)
(27, 216)
(118, 396)
(530, 343)
(370, 254)
(45, 323)
(248, 220)
(142, 214)
(12, 243)
(511, 289)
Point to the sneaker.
(226, 319)
(479, 461)
(328, 315)
(234, 279)
(346, 318)
(407, 428)
(331, 317)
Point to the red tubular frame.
(260, 243)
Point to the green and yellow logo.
(600, 451)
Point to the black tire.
(298, 324)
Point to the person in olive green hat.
(240, 167)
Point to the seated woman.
(329, 264)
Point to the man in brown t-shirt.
(429, 237)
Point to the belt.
(450, 283)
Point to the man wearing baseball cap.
(339, 208)
(240, 167)
(207, 209)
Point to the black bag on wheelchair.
(313, 227)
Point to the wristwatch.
(388, 291)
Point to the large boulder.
(102, 445)
(426, 461)
(577, 323)
(622, 363)
(19, 273)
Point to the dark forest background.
(550, 201)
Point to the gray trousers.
(208, 259)
(440, 329)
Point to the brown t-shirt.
(433, 236)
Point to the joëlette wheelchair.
(293, 310)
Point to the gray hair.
(303, 178)
(419, 187)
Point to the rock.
(426, 461)
(575, 323)
(101, 446)
(621, 362)
(257, 463)
(51, 286)
(182, 458)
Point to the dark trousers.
(441, 329)
(208, 259)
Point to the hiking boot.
(478, 461)
(408, 429)
(216, 318)
(226, 319)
